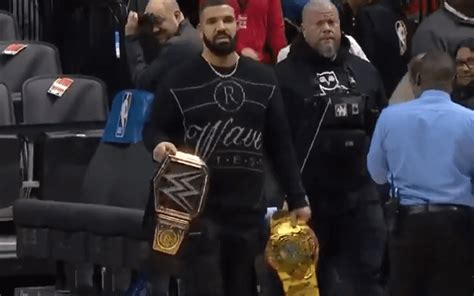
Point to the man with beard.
(157, 42)
(332, 99)
(446, 28)
(228, 111)
(464, 87)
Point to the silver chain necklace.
(225, 75)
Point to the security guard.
(426, 145)
(332, 99)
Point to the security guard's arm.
(377, 157)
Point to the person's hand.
(162, 150)
(301, 214)
(131, 28)
(250, 53)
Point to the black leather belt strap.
(431, 208)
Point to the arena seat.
(103, 225)
(8, 26)
(59, 160)
(10, 178)
(38, 58)
(118, 179)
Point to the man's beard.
(327, 50)
(220, 48)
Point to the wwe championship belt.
(180, 189)
(293, 251)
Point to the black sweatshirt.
(305, 74)
(229, 123)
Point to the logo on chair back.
(123, 118)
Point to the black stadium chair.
(10, 178)
(103, 225)
(38, 58)
(59, 161)
(62, 157)
(8, 26)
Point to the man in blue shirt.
(425, 149)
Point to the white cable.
(315, 136)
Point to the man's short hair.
(208, 3)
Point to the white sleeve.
(283, 53)
(356, 49)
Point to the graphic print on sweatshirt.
(329, 82)
(224, 120)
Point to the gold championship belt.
(180, 189)
(293, 251)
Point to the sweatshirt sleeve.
(165, 119)
(275, 38)
(148, 76)
(281, 153)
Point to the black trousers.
(431, 254)
(217, 260)
(352, 243)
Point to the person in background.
(424, 150)
(175, 38)
(446, 28)
(384, 34)
(261, 29)
(348, 11)
(464, 89)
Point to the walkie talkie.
(391, 208)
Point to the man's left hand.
(301, 214)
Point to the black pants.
(431, 254)
(218, 260)
(352, 244)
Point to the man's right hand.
(131, 28)
(162, 150)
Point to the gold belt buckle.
(180, 188)
(293, 252)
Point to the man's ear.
(178, 15)
(418, 79)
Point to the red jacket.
(264, 27)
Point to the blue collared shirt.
(427, 145)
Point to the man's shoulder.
(360, 65)
(434, 21)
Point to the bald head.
(167, 15)
(317, 5)
(168, 5)
(437, 70)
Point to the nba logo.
(123, 118)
